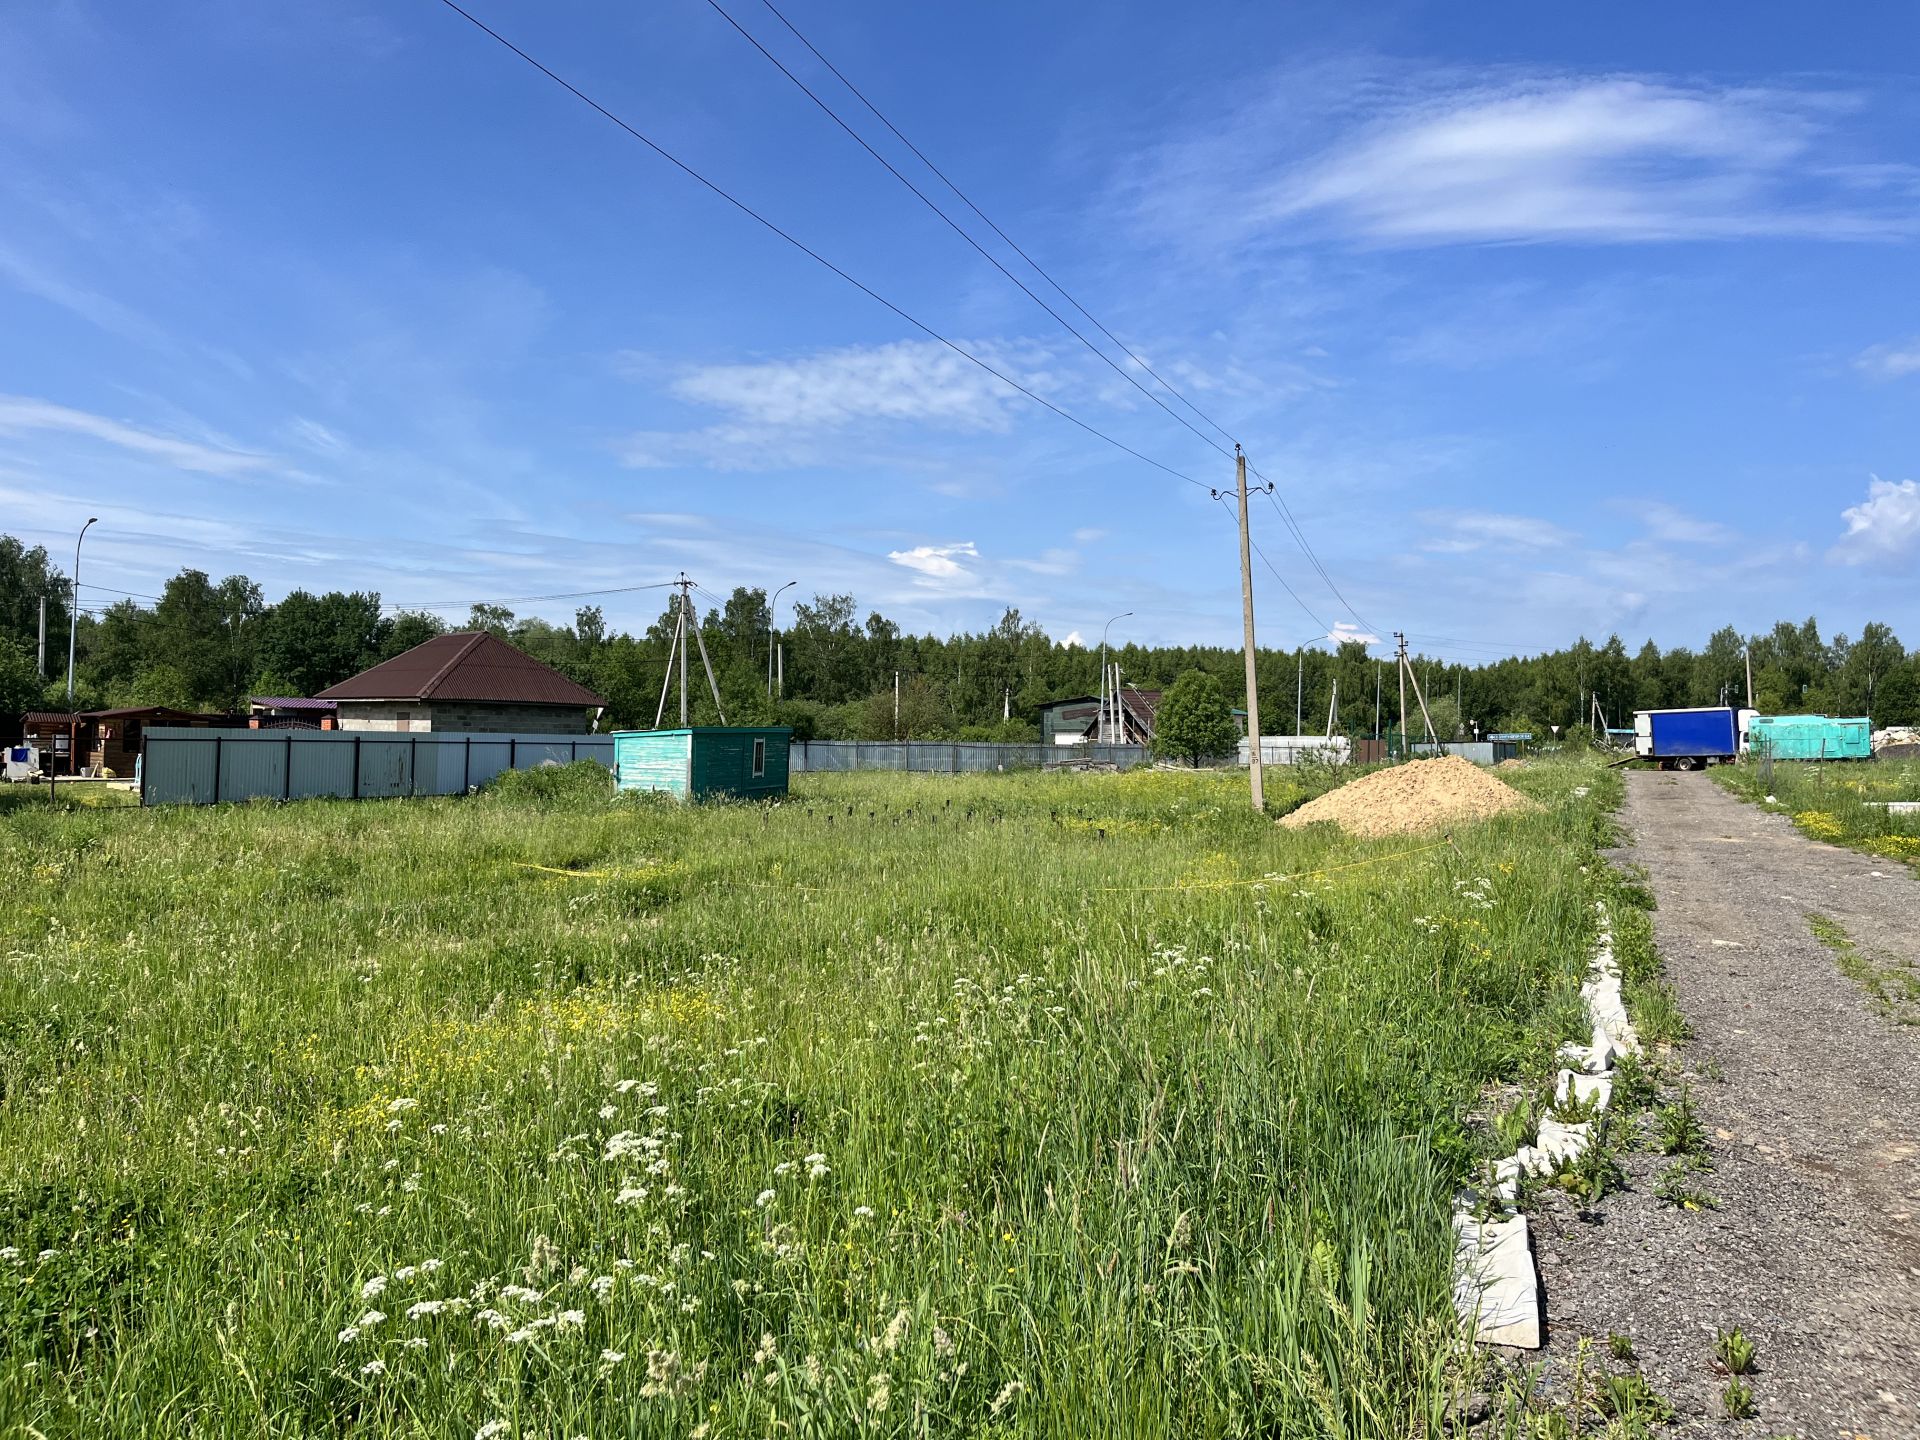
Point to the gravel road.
(1813, 1114)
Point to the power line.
(1232, 515)
(522, 599)
(1300, 538)
(955, 225)
(968, 202)
(813, 254)
(130, 594)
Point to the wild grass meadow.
(1841, 802)
(1064, 1105)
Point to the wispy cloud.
(1392, 156)
(1459, 532)
(921, 381)
(939, 563)
(1672, 524)
(1890, 361)
(22, 414)
(1884, 528)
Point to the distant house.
(468, 681)
(290, 712)
(95, 741)
(1077, 721)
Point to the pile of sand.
(1405, 799)
(1511, 764)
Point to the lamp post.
(770, 604)
(1100, 730)
(73, 617)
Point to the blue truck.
(1689, 739)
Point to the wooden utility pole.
(1254, 777)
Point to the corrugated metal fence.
(944, 757)
(182, 766)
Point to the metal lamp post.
(1100, 730)
(73, 617)
(770, 631)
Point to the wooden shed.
(707, 760)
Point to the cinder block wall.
(458, 716)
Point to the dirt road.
(1810, 1094)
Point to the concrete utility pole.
(1376, 700)
(73, 609)
(686, 621)
(1255, 779)
(1299, 686)
(1746, 652)
(43, 640)
(896, 704)
(1100, 725)
(1400, 663)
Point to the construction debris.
(1406, 799)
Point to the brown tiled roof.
(470, 665)
(49, 717)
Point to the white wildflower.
(491, 1429)
(1006, 1396)
(864, 1212)
(607, 1112)
(374, 1367)
(763, 1199)
(612, 1357)
(437, 1128)
(427, 1267)
(414, 1342)
(348, 1335)
(406, 1272)
(520, 1336)
(817, 1172)
(492, 1318)
(571, 1319)
(376, 1286)
(602, 1286)
(394, 1107)
(815, 1159)
(785, 1168)
(371, 1319)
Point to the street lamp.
(1100, 730)
(73, 618)
(770, 604)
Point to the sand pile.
(1512, 764)
(1404, 799)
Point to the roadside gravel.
(1810, 1096)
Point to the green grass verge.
(1841, 803)
(1894, 987)
(1025, 1105)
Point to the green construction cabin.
(740, 761)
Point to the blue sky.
(1544, 321)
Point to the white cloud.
(1884, 527)
(22, 414)
(906, 380)
(1344, 630)
(1670, 523)
(1889, 362)
(1074, 637)
(1397, 157)
(1468, 530)
(937, 562)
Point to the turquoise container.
(747, 762)
(1810, 737)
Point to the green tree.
(1194, 722)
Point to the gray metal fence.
(953, 757)
(181, 766)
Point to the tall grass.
(1843, 803)
(1018, 1105)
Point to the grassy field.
(1014, 1105)
(1835, 801)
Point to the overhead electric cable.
(1293, 525)
(1300, 538)
(813, 254)
(522, 599)
(1222, 498)
(967, 200)
(956, 226)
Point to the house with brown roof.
(467, 681)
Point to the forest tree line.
(207, 645)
